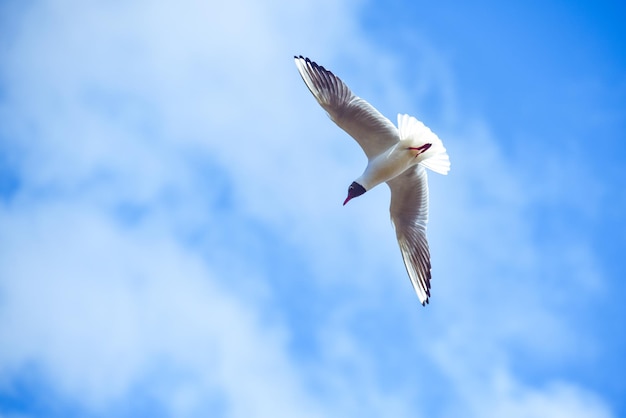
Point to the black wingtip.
(310, 62)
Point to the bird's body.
(389, 164)
(396, 156)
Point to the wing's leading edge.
(409, 214)
(374, 132)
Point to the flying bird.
(396, 156)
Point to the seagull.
(396, 156)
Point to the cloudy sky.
(172, 239)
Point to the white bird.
(396, 156)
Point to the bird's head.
(354, 190)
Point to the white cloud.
(117, 118)
(97, 307)
(557, 399)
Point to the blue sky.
(172, 237)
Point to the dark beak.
(347, 200)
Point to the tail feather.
(435, 158)
(439, 163)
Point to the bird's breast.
(386, 166)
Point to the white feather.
(412, 130)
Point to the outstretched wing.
(374, 132)
(409, 214)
